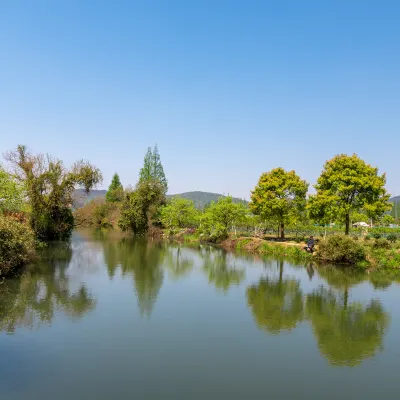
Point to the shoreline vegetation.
(349, 214)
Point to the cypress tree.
(115, 191)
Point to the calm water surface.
(106, 318)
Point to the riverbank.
(374, 254)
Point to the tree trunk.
(347, 224)
(282, 230)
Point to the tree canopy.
(152, 169)
(49, 187)
(279, 195)
(347, 184)
(140, 207)
(115, 193)
(178, 213)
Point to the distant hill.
(200, 199)
(81, 198)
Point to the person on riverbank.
(310, 245)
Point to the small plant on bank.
(376, 235)
(341, 249)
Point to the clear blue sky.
(228, 89)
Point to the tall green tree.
(115, 192)
(280, 196)
(347, 184)
(49, 187)
(140, 207)
(152, 169)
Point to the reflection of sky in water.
(199, 337)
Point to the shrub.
(17, 244)
(368, 237)
(382, 244)
(392, 237)
(213, 233)
(376, 235)
(340, 249)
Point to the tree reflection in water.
(43, 289)
(347, 332)
(276, 303)
(220, 269)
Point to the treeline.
(36, 191)
(347, 191)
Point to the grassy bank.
(367, 254)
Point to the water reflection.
(44, 289)
(276, 303)
(221, 271)
(143, 261)
(347, 333)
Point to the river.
(111, 318)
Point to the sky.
(227, 89)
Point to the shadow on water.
(33, 298)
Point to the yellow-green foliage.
(17, 244)
(341, 249)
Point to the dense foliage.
(348, 184)
(221, 217)
(341, 249)
(12, 196)
(49, 188)
(178, 213)
(115, 193)
(17, 244)
(152, 169)
(140, 207)
(279, 196)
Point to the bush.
(392, 237)
(376, 235)
(17, 245)
(341, 249)
(382, 244)
(213, 233)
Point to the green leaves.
(347, 184)
(49, 187)
(152, 169)
(178, 213)
(279, 195)
(11, 194)
(140, 206)
(115, 193)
